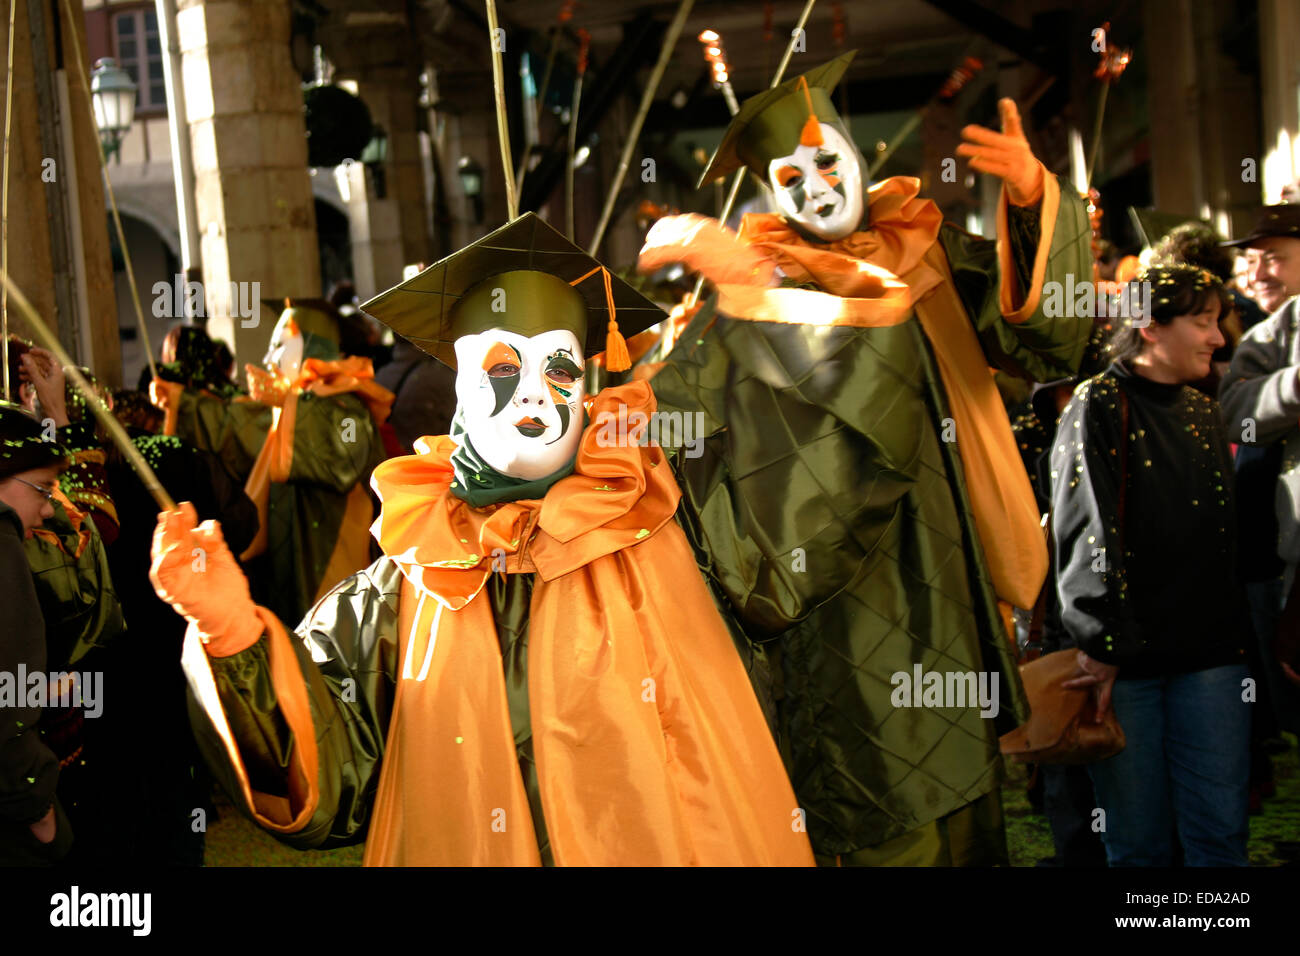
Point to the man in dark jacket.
(33, 827)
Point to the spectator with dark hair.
(1145, 532)
(1196, 244)
(425, 391)
(343, 296)
(190, 357)
(359, 334)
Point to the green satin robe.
(834, 526)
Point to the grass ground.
(1274, 834)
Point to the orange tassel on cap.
(617, 358)
(811, 134)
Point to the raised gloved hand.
(194, 571)
(704, 245)
(166, 395)
(1006, 155)
(266, 386)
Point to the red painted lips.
(530, 427)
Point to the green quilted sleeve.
(1045, 346)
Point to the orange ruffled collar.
(901, 227)
(618, 495)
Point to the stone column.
(1279, 81)
(255, 208)
(1173, 93)
(39, 191)
(389, 232)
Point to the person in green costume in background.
(859, 506)
(303, 443)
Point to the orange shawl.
(650, 746)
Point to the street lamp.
(471, 184)
(112, 93)
(374, 156)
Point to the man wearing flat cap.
(1260, 400)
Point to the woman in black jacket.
(1145, 532)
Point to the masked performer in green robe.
(303, 444)
(859, 505)
(534, 671)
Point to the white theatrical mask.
(286, 349)
(521, 399)
(820, 187)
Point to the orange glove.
(166, 395)
(196, 574)
(1006, 155)
(704, 245)
(266, 386)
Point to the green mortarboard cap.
(520, 277)
(769, 123)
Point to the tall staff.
(566, 14)
(633, 134)
(4, 199)
(115, 430)
(739, 178)
(1113, 62)
(584, 44)
(503, 124)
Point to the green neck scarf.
(479, 484)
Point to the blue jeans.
(1183, 774)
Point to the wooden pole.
(4, 198)
(584, 42)
(503, 122)
(1096, 131)
(647, 98)
(540, 107)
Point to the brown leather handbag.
(1062, 727)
